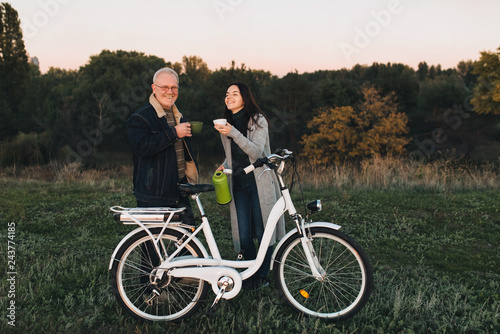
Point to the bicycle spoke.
(339, 293)
(168, 300)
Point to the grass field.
(434, 248)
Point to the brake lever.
(265, 170)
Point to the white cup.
(220, 121)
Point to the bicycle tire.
(130, 280)
(347, 283)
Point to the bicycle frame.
(281, 206)
(212, 267)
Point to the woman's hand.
(221, 168)
(223, 129)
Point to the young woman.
(245, 138)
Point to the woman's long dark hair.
(250, 107)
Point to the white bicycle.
(161, 271)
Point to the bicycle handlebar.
(251, 167)
(271, 160)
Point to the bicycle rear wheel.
(171, 299)
(347, 283)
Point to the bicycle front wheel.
(132, 279)
(345, 286)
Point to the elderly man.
(161, 146)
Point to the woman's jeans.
(250, 223)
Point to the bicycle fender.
(292, 232)
(140, 229)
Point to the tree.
(486, 93)
(465, 70)
(438, 95)
(110, 87)
(56, 111)
(373, 127)
(334, 92)
(194, 70)
(193, 97)
(423, 71)
(292, 93)
(398, 79)
(14, 71)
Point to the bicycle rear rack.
(131, 216)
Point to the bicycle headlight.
(315, 206)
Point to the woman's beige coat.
(256, 145)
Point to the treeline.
(80, 115)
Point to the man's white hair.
(167, 70)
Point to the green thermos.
(221, 188)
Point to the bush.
(26, 149)
(374, 127)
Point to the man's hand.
(183, 130)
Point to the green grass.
(435, 255)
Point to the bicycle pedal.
(154, 296)
(225, 283)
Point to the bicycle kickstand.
(224, 283)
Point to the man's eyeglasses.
(174, 89)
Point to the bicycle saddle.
(192, 189)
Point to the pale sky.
(279, 36)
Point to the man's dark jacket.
(156, 178)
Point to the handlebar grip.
(249, 169)
(259, 163)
